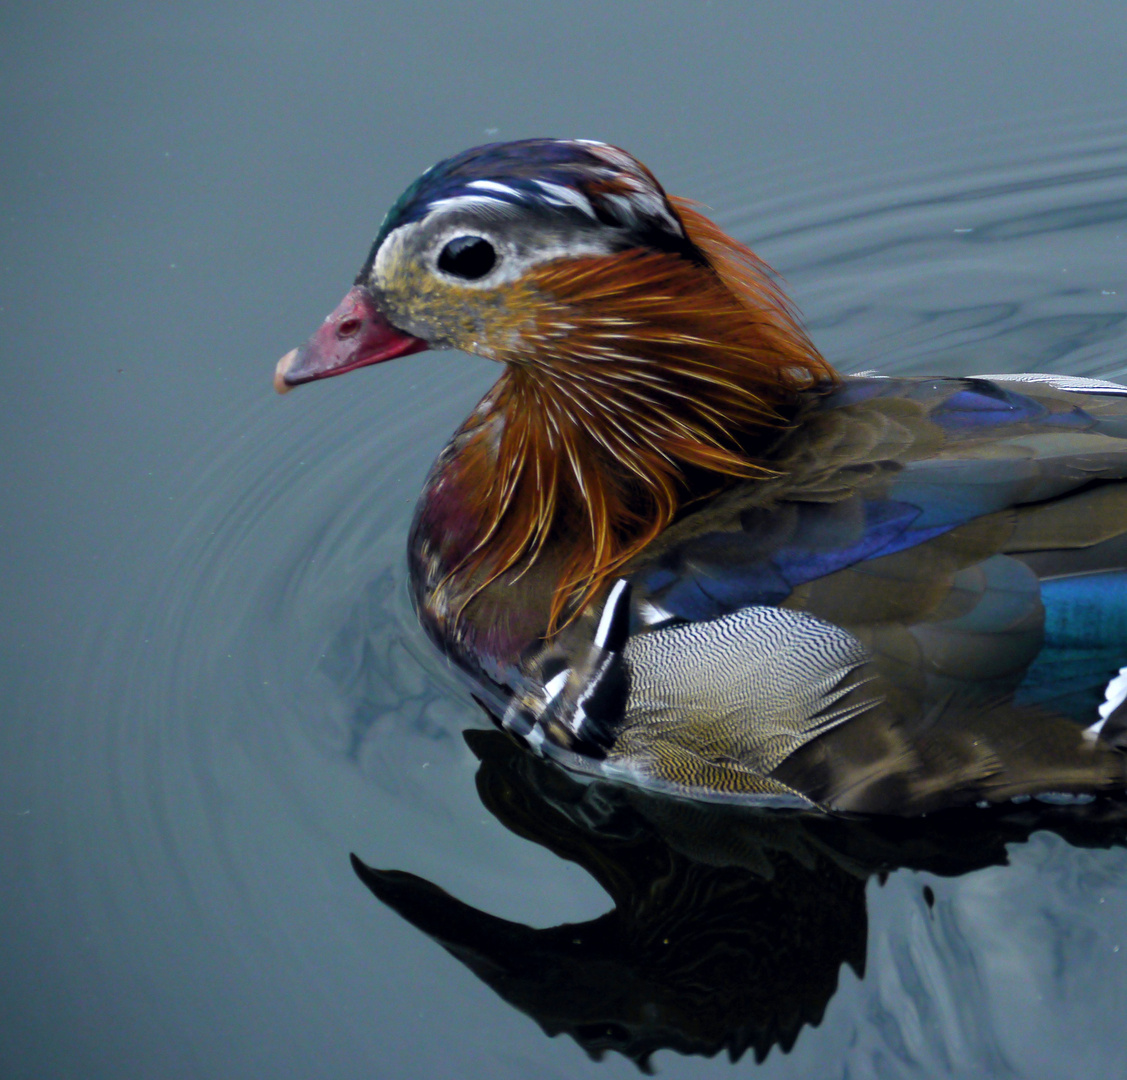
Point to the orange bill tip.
(280, 370)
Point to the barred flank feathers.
(638, 366)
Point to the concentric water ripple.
(258, 699)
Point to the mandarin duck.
(673, 547)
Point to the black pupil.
(467, 257)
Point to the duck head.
(642, 348)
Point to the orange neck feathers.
(640, 369)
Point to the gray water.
(213, 686)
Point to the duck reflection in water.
(730, 925)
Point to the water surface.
(214, 686)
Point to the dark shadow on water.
(729, 927)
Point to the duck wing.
(968, 536)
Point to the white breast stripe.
(553, 687)
(609, 613)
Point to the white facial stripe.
(389, 250)
(610, 609)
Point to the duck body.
(673, 546)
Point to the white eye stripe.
(646, 201)
(566, 196)
(493, 185)
(624, 204)
(463, 202)
(619, 158)
(650, 204)
(644, 204)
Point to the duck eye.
(468, 257)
